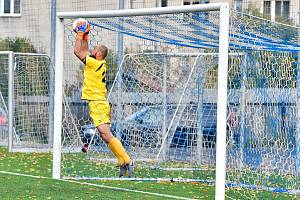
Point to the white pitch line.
(96, 185)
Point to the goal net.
(164, 89)
(3, 105)
(30, 101)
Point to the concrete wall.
(34, 22)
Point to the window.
(17, 6)
(186, 3)
(203, 15)
(194, 2)
(267, 9)
(238, 5)
(282, 9)
(10, 7)
(285, 10)
(278, 8)
(164, 3)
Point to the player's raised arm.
(82, 28)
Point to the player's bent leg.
(106, 135)
(126, 164)
(100, 113)
(117, 148)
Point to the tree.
(11, 44)
(17, 44)
(31, 79)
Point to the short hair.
(103, 49)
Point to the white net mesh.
(164, 105)
(262, 129)
(262, 139)
(151, 105)
(31, 93)
(30, 102)
(156, 117)
(3, 100)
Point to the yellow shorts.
(99, 112)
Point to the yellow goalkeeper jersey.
(94, 85)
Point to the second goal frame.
(223, 9)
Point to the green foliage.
(31, 72)
(4, 76)
(31, 76)
(20, 45)
(17, 44)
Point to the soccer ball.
(78, 22)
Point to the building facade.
(31, 19)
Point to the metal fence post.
(51, 73)
(10, 99)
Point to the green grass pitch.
(40, 164)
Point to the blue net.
(201, 30)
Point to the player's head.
(100, 52)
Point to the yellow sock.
(118, 150)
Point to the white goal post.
(223, 9)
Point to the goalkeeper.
(94, 91)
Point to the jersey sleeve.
(91, 62)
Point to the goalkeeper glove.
(82, 28)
